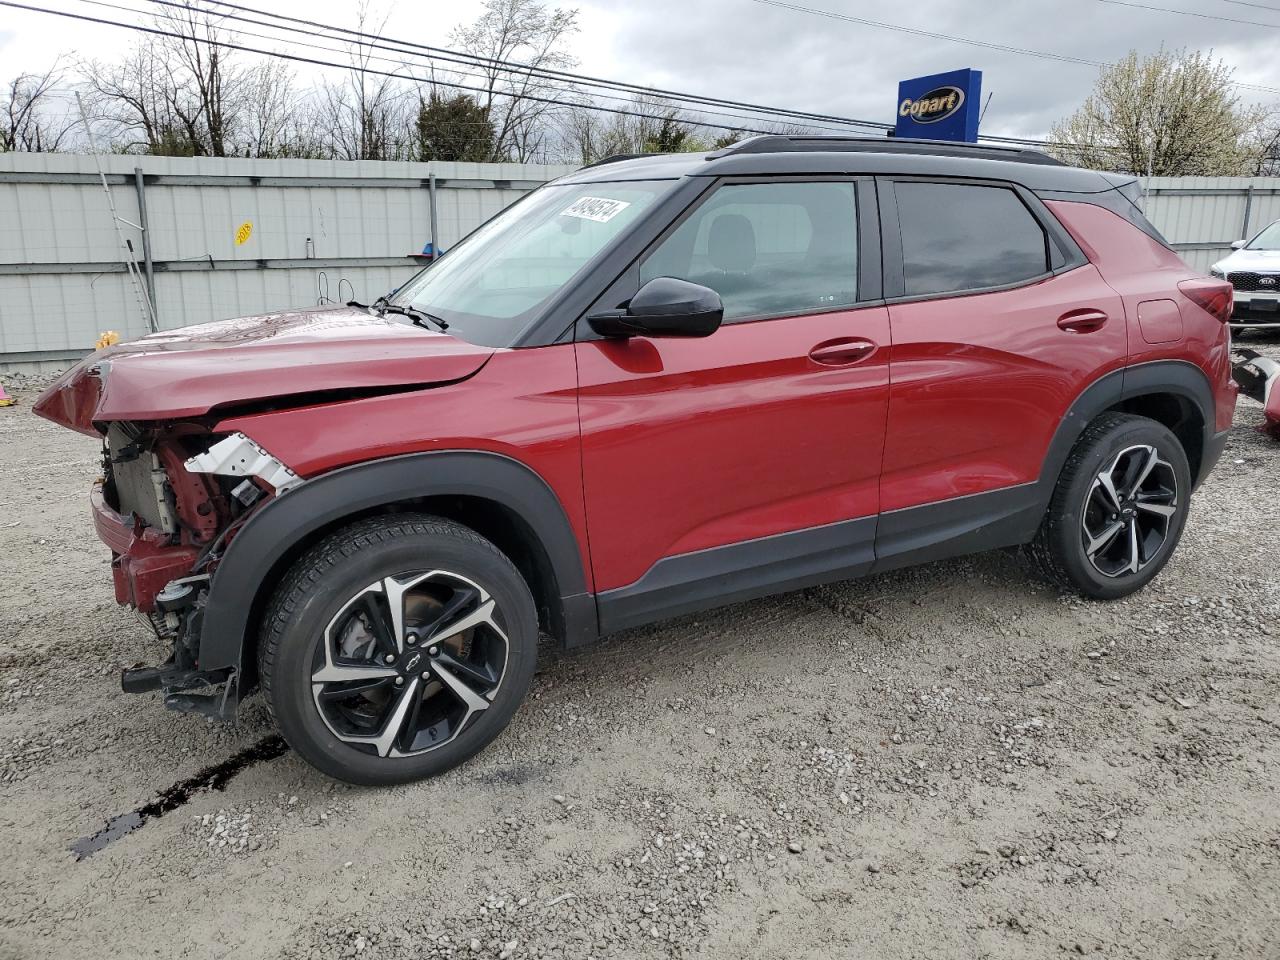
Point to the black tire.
(337, 577)
(1079, 508)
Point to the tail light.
(1215, 297)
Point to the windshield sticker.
(598, 209)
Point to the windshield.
(492, 285)
(1268, 239)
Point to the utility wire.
(509, 66)
(1258, 6)
(156, 31)
(801, 118)
(373, 43)
(1191, 13)
(798, 117)
(916, 31)
(1004, 48)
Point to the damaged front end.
(1259, 379)
(176, 488)
(171, 499)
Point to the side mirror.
(664, 307)
(1237, 244)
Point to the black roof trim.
(869, 158)
(768, 143)
(615, 158)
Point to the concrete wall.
(62, 279)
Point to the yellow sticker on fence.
(242, 235)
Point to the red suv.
(654, 386)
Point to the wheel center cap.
(410, 664)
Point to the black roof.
(934, 148)
(782, 155)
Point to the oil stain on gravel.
(214, 777)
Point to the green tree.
(454, 128)
(670, 137)
(1174, 113)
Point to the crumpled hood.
(190, 371)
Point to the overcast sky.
(746, 50)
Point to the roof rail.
(770, 143)
(617, 158)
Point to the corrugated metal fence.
(314, 226)
(1201, 216)
(323, 229)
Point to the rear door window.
(958, 237)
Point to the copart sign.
(942, 106)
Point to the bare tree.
(275, 121)
(182, 93)
(187, 95)
(204, 82)
(135, 98)
(367, 116)
(646, 125)
(526, 33)
(1174, 113)
(589, 135)
(27, 120)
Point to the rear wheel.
(397, 648)
(1118, 510)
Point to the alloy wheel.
(1128, 511)
(409, 662)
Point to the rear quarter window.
(958, 237)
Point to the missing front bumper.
(1259, 379)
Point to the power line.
(803, 117)
(513, 66)
(916, 31)
(372, 44)
(1191, 13)
(375, 42)
(1259, 6)
(156, 31)
(509, 66)
(1004, 48)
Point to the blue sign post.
(944, 106)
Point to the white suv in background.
(1254, 272)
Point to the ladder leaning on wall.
(145, 306)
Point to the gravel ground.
(951, 761)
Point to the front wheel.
(1118, 510)
(397, 648)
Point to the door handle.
(1082, 321)
(839, 353)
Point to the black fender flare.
(1178, 377)
(269, 536)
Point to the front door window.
(768, 249)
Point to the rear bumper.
(1255, 307)
(141, 564)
